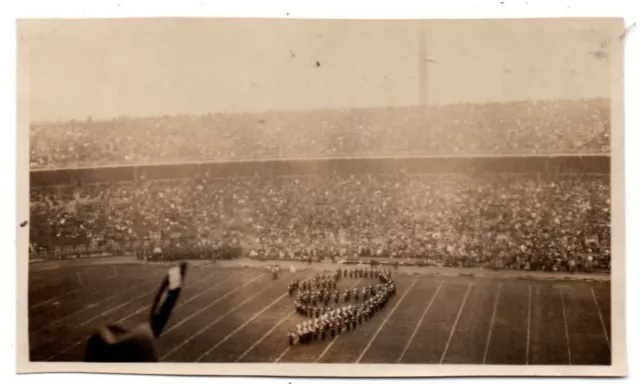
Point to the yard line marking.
(241, 327)
(80, 279)
(566, 327)
(67, 349)
(265, 336)
(106, 300)
(94, 318)
(455, 323)
(54, 298)
(40, 304)
(131, 315)
(48, 301)
(92, 305)
(337, 337)
(604, 327)
(204, 329)
(277, 360)
(493, 319)
(528, 326)
(122, 305)
(424, 313)
(324, 352)
(181, 303)
(106, 312)
(212, 304)
(393, 310)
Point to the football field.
(240, 314)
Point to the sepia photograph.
(321, 197)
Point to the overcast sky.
(108, 68)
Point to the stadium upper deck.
(522, 127)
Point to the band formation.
(318, 298)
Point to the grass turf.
(240, 314)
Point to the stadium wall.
(412, 165)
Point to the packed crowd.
(528, 222)
(529, 127)
(315, 296)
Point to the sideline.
(319, 266)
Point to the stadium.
(492, 220)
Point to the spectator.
(529, 127)
(507, 221)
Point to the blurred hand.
(114, 344)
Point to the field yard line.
(424, 313)
(455, 323)
(89, 307)
(282, 355)
(566, 327)
(493, 319)
(336, 338)
(130, 301)
(528, 327)
(604, 327)
(106, 312)
(265, 336)
(212, 324)
(40, 304)
(80, 279)
(67, 349)
(324, 352)
(94, 318)
(393, 310)
(212, 303)
(55, 298)
(92, 305)
(180, 304)
(241, 327)
(138, 311)
(63, 295)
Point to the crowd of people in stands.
(528, 222)
(518, 221)
(316, 295)
(534, 127)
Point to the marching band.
(315, 296)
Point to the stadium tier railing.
(526, 163)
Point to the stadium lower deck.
(243, 315)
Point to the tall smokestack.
(422, 70)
